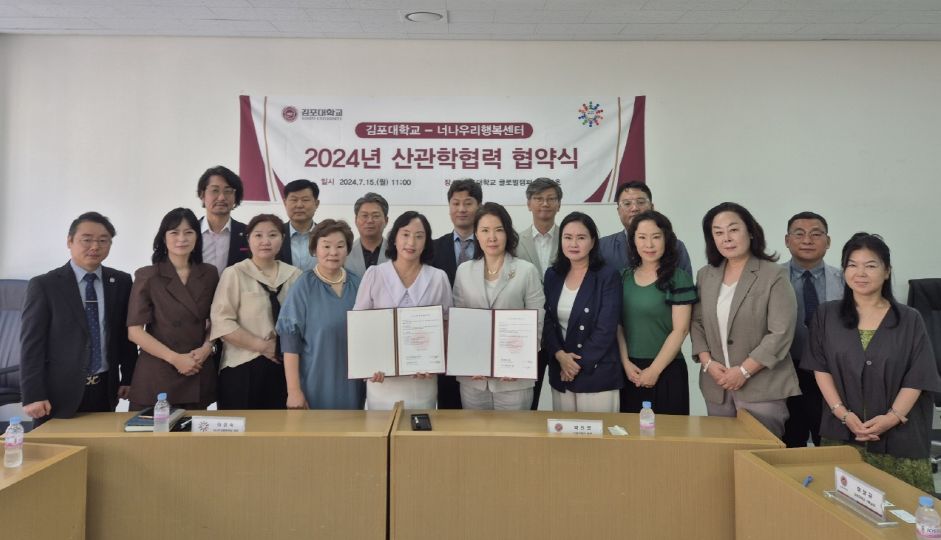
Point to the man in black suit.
(74, 331)
(301, 200)
(224, 240)
(452, 249)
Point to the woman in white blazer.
(496, 279)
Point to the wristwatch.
(213, 345)
(705, 368)
(744, 372)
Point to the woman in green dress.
(655, 318)
(873, 362)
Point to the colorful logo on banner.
(591, 114)
(410, 150)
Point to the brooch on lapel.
(111, 280)
(511, 274)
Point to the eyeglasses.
(627, 203)
(87, 242)
(549, 200)
(214, 192)
(815, 234)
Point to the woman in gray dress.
(873, 362)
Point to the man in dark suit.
(74, 331)
(301, 200)
(224, 240)
(452, 249)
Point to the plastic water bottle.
(13, 454)
(927, 521)
(162, 415)
(647, 421)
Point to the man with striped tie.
(814, 282)
(74, 330)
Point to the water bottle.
(646, 419)
(162, 415)
(927, 521)
(13, 454)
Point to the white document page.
(515, 343)
(421, 340)
(470, 342)
(370, 343)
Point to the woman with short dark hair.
(244, 312)
(744, 324)
(407, 279)
(168, 318)
(583, 307)
(496, 279)
(312, 325)
(874, 365)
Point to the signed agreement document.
(401, 341)
(493, 342)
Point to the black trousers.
(542, 364)
(449, 393)
(805, 411)
(258, 384)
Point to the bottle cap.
(15, 420)
(926, 501)
(161, 396)
(646, 404)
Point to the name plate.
(865, 496)
(218, 424)
(577, 427)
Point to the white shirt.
(564, 310)
(216, 245)
(543, 244)
(726, 292)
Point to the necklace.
(877, 309)
(492, 272)
(325, 280)
(266, 274)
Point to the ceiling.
(550, 20)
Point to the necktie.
(463, 256)
(275, 311)
(810, 297)
(94, 328)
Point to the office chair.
(12, 298)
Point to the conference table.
(290, 475)
(502, 475)
(45, 496)
(771, 502)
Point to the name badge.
(577, 427)
(865, 496)
(218, 424)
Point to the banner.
(409, 150)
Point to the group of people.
(253, 316)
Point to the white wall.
(126, 125)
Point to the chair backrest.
(12, 299)
(925, 296)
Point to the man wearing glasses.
(633, 198)
(539, 245)
(814, 282)
(224, 240)
(74, 330)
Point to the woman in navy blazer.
(583, 308)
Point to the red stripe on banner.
(277, 181)
(598, 195)
(251, 164)
(633, 165)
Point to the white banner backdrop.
(410, 149)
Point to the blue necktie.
(810, 297)
(91, 313)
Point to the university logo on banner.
(411, 149)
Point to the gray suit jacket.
(761, 327)
(833, 277)
(518, 287)
(355, 261)
(526, 249)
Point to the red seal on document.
(514, 344)
(420, 340)
(558, 427)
